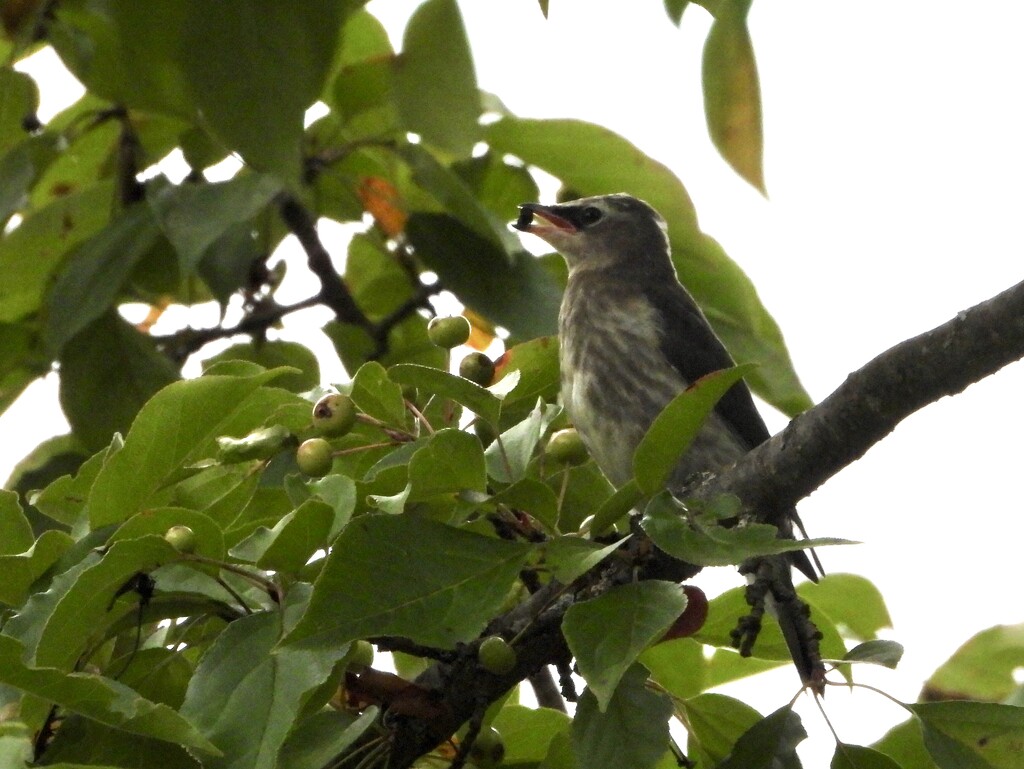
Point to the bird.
(631, 338)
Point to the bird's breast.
(615, 379)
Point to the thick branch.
(815, 446)
(873, 400)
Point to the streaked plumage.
(632, 338)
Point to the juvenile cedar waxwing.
(631, 339)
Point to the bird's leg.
(744, 635)
(771, 589)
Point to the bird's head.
(600, 232)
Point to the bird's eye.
(590, 214)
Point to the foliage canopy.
(441, 511)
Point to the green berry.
(449, 332)
(334, 415)
(566, 448)
(360, 655)
(182, 539)
(314, 457)
(488, 749)
(477, 367)
(496, 655)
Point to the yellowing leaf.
(732, 93)
(481, 332)
(381, 200)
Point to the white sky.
(893, 164)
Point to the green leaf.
(195, 216)
(677, 665)
(92, 280)
(971, 735)
(451, 462)
(498, 185)
(15, 744)
(631, 731)
(732, 93)
(31, 253)
(477, 399)
(769, 744)
(696, 537)
(592, 160)
(157, 520)
(124, 52)
(377, 281)
(177, 427)
(905, 745)
(533, 497)
(583, 491)
(734, 309)
(108, 372)
(81, 743)
(256, 103)
(86, 607)
(615, 508)
(520, 294)
(859, 757)
(19, 570)
(15, 530)
(101, 699)
(570, 556)
(510, 453)
(851, 601)
(675, 8)
(983, 668)
(19, 98)
(606, 634)
(528, 732)
(64, 498)
(226, 265)
(537, 364)
(244, 698)
(322, 737)
(378, 396)
(434, 82)
(716, 722)
(677, 425)
(288, 546)
(878, 652)
(440, 586)
(448, 189)
(272, 354)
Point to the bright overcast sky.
(893, 165)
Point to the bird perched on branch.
(631, 339)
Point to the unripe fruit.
(314, 457)
(496, 655)
(449, 332)
(477, 367)
(359, 656)
(488, 749)
(693, 617)
(334, 415)
(182, 539)
(566, 448)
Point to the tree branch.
(873, 400)
(333, 291)
(815, 446)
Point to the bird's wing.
(691, 346)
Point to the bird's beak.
(549, 222)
